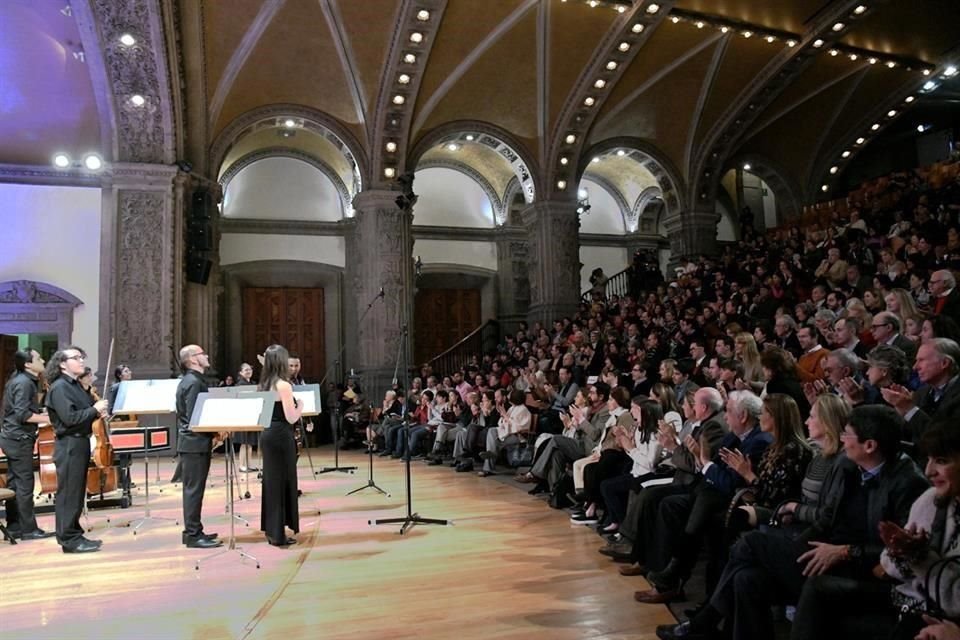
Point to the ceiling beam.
(543, 73)
(705, 87)
(341, 39)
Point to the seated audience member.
(832, 561)
(453, 420)
(514, 425)
(886, 366)
(780, 374)
(391, 413)
(683, 519)
(439, 415)
(810, 364)
(484, 415)
(559, 399)
(397, 433)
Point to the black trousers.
(684, 519)
(645, 543)
(20, 517)
(72, 457)
(612, 463)
(194, 468)
(278, 500)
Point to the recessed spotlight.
(909, 99)
(674, 19)
(289, 123)
(838, 26)
(653, 8)
(595, 159)
(564, 160)
(925, 72)
(410, 58)
(891, 64)
(861, 140)
(747, 166)
(700, 24)
(582, 194)
(891, 113)
(724, 29)
(403, 79)
(589, 101)
(872, 60)
(389, 172)
(853, 56)
(611, 65)
(875, 126)
(423, 15)
(621, 153)
(127, 40)
(929, 86)
(399, 99)
(637, 28)
(825, 188)
(137, 100)
(747, 34)
(791, 43)
(453, 146)
(391, 147)
(600, 83)
(860, 9)
(770, 39)
(570, 139)
(834, 169)
(818, 43)
(470, 137)
(93, 162)
(624, 47)
(834, 52)
(61, 161)
(950, 71)
(561, 184)
(416, 37)
(593, 4)
(845, 154)
(621, 9)
(923, 127)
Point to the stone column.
(379, 256)
(513, 282)
(140, 267)
(554, 263)
(692, 233)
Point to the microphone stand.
(335, 419)
(411, 519)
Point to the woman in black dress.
(278, 504)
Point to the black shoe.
(384, 453)
(693, 613)
(465, 466)
(37, 534)
(84, 546)
(286, 542)
(208, 536)
(454, 464)
(99, 543)
(615, 550)
(202, 543)
(682, 630)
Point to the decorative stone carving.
(692, 233)
(37, 307)
(554, 258)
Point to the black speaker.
(198, 269)
(202, 208)
(199, 235)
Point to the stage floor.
(509, 567)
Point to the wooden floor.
(509, 567)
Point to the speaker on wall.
(198, 269)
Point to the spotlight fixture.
(137, 100)
(589, 101)
(624, 47)
(875, 126)
(595, 159)
(621, 9)
(570, 139)
(818, 43)
(600, 83)
(891, 113)
(747, 34)
(700, 24)
(637, 28)
(674, 19)
(561, 184)
(389, 172)
(921, 128)
(653, 8)
(845, 154)
(825, 188)
(621, 153)
(61, 161)
(724, 29)
(860, 9)
(853, 56)
(398, 99)
(838, 26)
(470, 137)
(612, 65)
(127, 40)
(403, 78)
(582, 193)
(93, 162)
(391, 147)
(872, 60)
(929, 86)
(834, 52)
(289, 123)
(423, 15)
(771, 39)
(564, 160)
(909, 99)
(747, 166)
(410, 58)
(791, 43)
(861, 140)
(925, 72)
(834, 169)
(891, 64)
(453, 146)
(416, 37)
(950, 71)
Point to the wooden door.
(290, 317)
(8, 346)
(442, 317)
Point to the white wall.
(612, 260)
(472, 254)
(52, 234)
(448, 198)
(282, 189)
(726, 231)
(769, 206)
(249, 247)
(604, 215)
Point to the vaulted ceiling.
(687, 82)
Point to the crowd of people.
(787, 411)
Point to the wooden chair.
(7, 494)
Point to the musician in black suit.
(194, 448)
(20, 416)
(72, 412)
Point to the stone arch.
(514, 152)
(27, 306)
(498, 202)
(650, 224)
(614, 193)
(669, 179)
(310, 119)
(785, 189)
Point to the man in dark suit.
(945, 296)
(682, 520)
(886, 330)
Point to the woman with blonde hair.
(900, 302)
(745, 349)
(667, 367)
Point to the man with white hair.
(946, 298)
(683, 519)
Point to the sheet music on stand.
(308, 396)
(232, 412)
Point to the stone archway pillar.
(692, 233)
(553, 260)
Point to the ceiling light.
(624, 47)
(289, 123)
(950, 71)
(853, 56)
(611, 65)
(747, 166)
(925, 72)
(834, 52)
(860, 9)
(570, 139)
(747, 34)
(834, 169)
(61, 161)
(825, 188)
(621, 153)
(391, 146)
(389, 172)
(593, 3)
(621, 9)
(770, 39)
(589, 101)
(929, 86)
(561, 184)
(891, 64)
(595, 159)
(637, 28)
(874, 126)
(674, 19)
(127, 40)
(861, 140)
(398, 99)
(93, 162)
(470, 137)
(582, 194)
(700, 24)
(403, 79)
(891, 113)
(600, 83)
(872, 60)
(564, 160)
(724, 29)
(922, 127)
(909, 99)
(845, 154)
(410, 58)
(791, 43)
(838, 26)
(818, 43)
(453, 146)
(137, 100)
(423, 15)
(653, 8)
(416, 37)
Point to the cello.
(102, 477)
(46, 441)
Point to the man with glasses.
(946, 298)
(72, 412)
(640, 384)
(886, 330)
(194, 448)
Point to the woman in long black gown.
(278, 503)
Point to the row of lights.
(403, 79)
(601, 83)
(91, 161)
(619, 7)
(949, 72)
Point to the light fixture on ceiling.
(470, 137)
(860, 9)
(621, 153)
(891, 64)
(423, 15)
(453, 146)
(674, 19)
(875, 126)
(747, 166)
(389, 172)
(724, 29)
(909, 99)
(845, 154)
(771, 39)
(623, 47)
(570, 139)
(637, 28)
(834, 169)
(839, 26)
(611, 65)
(891, 113)
(747, 34)
(853, 56)
(593, 4)
(61, 160)
(561, 184)
(621, 9)
(595, 159)
(872, 60)
(137, 100)
(834, 52)
(950, 71)
(700, 24)
(564, 160)
(582, 193)
(289, 123)
(403, 78)
(416, 37)
(127, 40)
(410, 58)
(391, 147)
(653, 8)
(589, 101)
(398, 99)
(600, 83)
(921, 128)
(818, 43)
(825, 188)
(861, 140)
(93, 162)
(929, 86)
(791, 43)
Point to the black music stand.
(246, 412)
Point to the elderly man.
(786, 329)
(706, 430)
(944, 294)
(937, 366)
(683, 519)
(886, 330)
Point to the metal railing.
(482, 339)
(618, 284)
